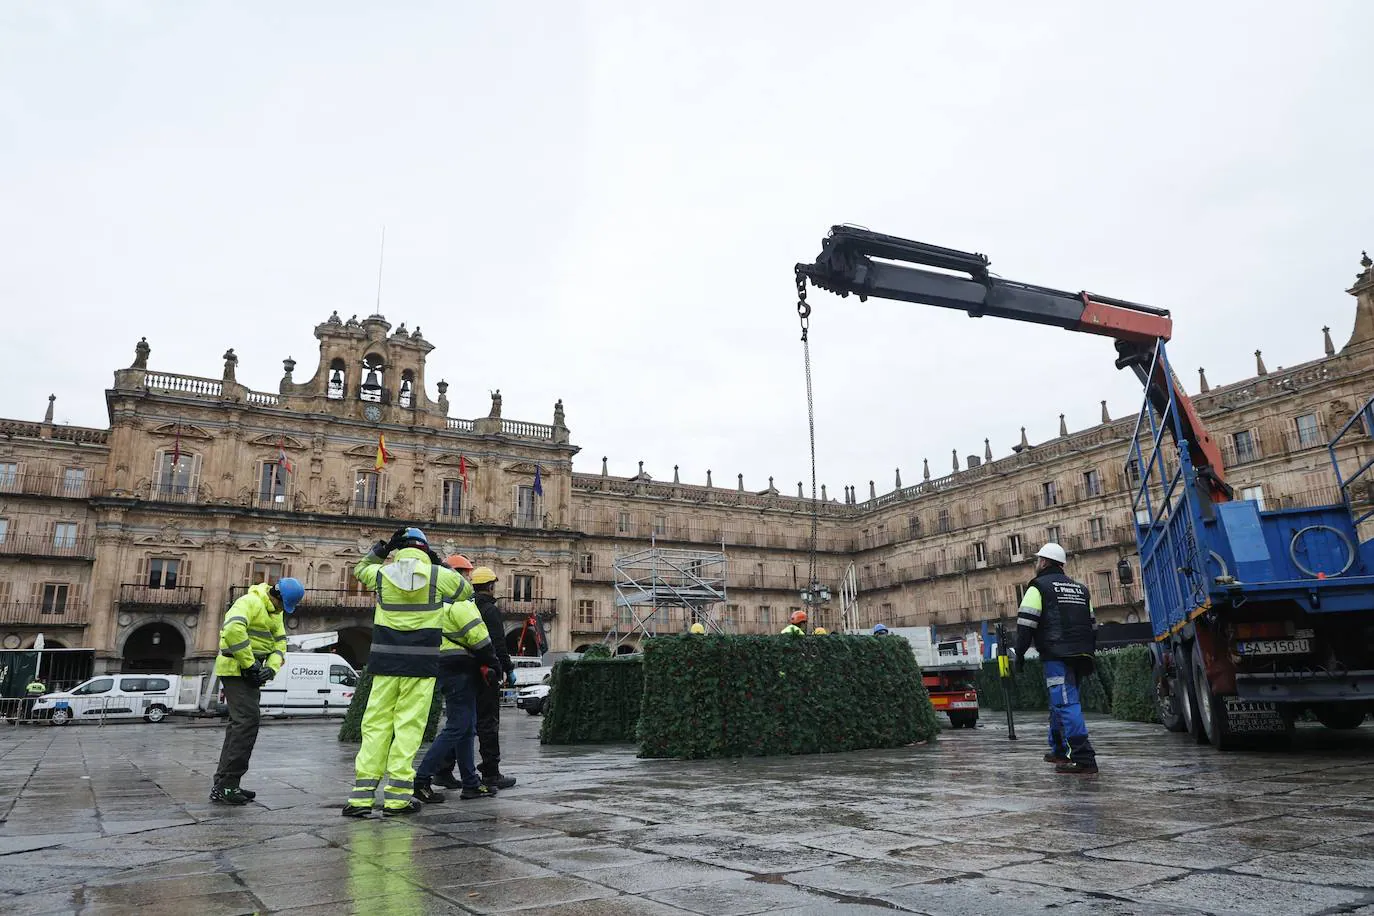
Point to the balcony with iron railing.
(48, 547)
(180, 598)
(54, 613)
(520, 608)
(54, 486)
(340, 601)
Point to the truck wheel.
(1214, 726)
(1341, 716)
(155, 714)
(1167, 705)
(1186, 695)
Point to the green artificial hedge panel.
(352, 728)
(746, 696)
(1121, 684)
(1133, 683)
(593, 700)
(597, 651)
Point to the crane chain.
(804, 315)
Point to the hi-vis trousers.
(393, 727)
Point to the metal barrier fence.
(98, 709)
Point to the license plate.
(1275, 647)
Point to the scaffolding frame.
(849, 602)
(651, 584)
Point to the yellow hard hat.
(482, 575)
(698, 629)
(820, 631)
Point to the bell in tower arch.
(371, 389)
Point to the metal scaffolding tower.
(849, 602)
(663, 590)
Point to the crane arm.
(857, 261)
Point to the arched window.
(406, 397)
(337, 382)
(373, 386)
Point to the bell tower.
(368, 371)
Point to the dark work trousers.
(242, 733)
(488, 732)
(454, 743)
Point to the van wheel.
(61, 716)
(535, 709)
(155, 714)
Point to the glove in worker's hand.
(253, 674)
(492, 676)
(510, 678)
(381, 549)
(268, 673)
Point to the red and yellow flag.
(383, 456)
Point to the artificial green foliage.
(1133, 682)
(743, 696)
(352, 728)
(593, 700)
(597, 651)
(1121, 684)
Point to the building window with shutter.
(586, 612)
(64, 535)
(1054, 534)
(271, 484)
(451, 503)
(526, 506)
(265, 571)
(660, 525)
(74, 482)
(1097, 530)
(585, 564)
(1247, 448)
(1051, 493)
(9, 477)
(1092, 483)
(1309, 433)
(4, 529)
(54, 598)
(367, 486)
(522, 587)
(765, 615)
(1103, 592)
(1014, 546)
(622, 525)
(175, 481)
(163, 573)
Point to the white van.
(106, 697)
(310, 684)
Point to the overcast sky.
(602, 202)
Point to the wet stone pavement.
(116, 820)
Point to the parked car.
(532, 699)
(151, 697)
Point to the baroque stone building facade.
(131, 539)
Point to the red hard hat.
(798, 618)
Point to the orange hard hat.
(459, 563)
(798, 618)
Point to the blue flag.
(538, 482)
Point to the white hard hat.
(1053, 552)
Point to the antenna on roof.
(381, 259)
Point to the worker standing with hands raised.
(408, 627)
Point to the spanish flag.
(383, 456)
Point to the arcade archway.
(155, 647)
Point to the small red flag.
(463, 472)
(176, 450)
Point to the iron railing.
(59, 614)
(520, 608)
(180, 597)
(323, 600)
(56, 486)
(48, 547)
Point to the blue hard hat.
(879, 630)
(291, 592)
(415, 534)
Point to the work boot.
(1056, 758)
(499, 782)
(247, 793)
(1077, 767)
(482, 791)
(357, 811)
(447, 780)
(425, 792)
(411, 807)
(228, 795)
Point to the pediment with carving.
(185, 430)
(447, 460)
(288, 442)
